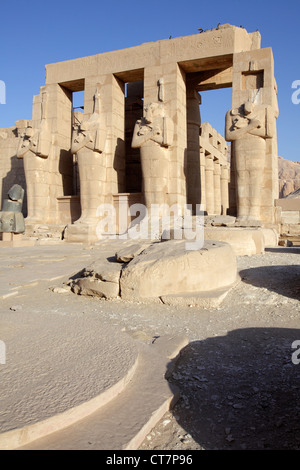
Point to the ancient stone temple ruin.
(140, 136)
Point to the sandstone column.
(202, 178)
(217, 187)
(248, 127)
(253, 81)
(36, 149)
(209, 185)
(224, 188)
(193, 171)
(45, 149)
(153, 134)
(88, 144)
(165, 83)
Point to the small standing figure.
(153, 134)
(88, 143)
(248, 127)
(11, 217)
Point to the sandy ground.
(239, 376)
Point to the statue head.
(11, 217)
(29, 131)
(16, 193)
(90, 124)
(151, 111)
(248, 107)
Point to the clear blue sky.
(35, 33)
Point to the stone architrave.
(34, 148)
(248, 127)
(88, 143)
(11, 217)
(153, 134)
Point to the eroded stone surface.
(100, 278)
(124, 255)
(91, 286)
(168, 268)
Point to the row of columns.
(207, 177)
(215, 174)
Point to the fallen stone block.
(168, 268)
(103, 270)
(100, 278)
(129, 252)
(96, 287)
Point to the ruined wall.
(290, 216)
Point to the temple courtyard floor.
(81, 372)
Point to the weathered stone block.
(168, 268)
(96, 287)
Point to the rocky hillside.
(289, 176)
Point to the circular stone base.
(59, 369)
(244, 241)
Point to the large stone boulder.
(167, 268)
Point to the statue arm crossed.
(95, 143)
(90, 136)
(81, 140)
(39, 143)
(26, 145)
(233, 131)
(144, 132)
(22, 148)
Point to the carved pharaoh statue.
(248, 127)
(88, 143)
(34, 148)
(153, 134)
(11, 217)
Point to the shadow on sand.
(284, 280)
(241, 391)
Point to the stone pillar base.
(68, 209)
(13, 240)
(45, 231)
(81, 233)
(248, 223)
